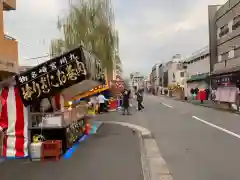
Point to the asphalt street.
(197, 143)
(111, 154)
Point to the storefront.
(200, 81)
(24, 115)
(226, 85)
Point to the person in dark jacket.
(140, 100)
(126, 96)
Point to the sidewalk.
(111, 154)
(206, 103)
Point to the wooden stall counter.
(67, 126)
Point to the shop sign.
(224, 80)
(49, 78)
(118, 85)
(75, 130)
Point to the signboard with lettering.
(229, 79)
(75, 130)
(59, 73)
(117, 85)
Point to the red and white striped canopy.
(14, 118)
(14, 121)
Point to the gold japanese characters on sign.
(54, 75)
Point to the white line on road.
(167, 105)
(217, 127)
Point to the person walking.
(101, 101)
(140, 101)
(126, 96)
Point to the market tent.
(84, 86)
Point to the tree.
(90, 23)
(118, 64)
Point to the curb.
(154, 166)
(70, 151)
(202, 105)
(97, 125)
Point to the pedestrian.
(101, 101)
(140, 101)
(126, 96)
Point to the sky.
(150, 31)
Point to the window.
(237, 52)
(231, 54)
(224, 56)
(174, 76)
(219, 58)
(182, 74)
(224, 30)
(236, 22)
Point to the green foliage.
(90, 23)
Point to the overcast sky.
(150, 31)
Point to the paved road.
(197, 143)
(112, 154)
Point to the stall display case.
(67, 126)
(77, 71)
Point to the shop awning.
(76, 89)
(225, 70)
(198, 77)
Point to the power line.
(39, 57)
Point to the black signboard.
(75, 130)
(223, 80)
(49, 78)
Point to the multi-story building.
(166, 68)
(8, 45)
(224, 41)
(117, 67)
(175, 70)
(157, 77)
(198, 70)
(137, 80)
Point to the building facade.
(198, 70)
(175, 69)
(157, 77)
(137, 80)
(224, 41)
(8, 45)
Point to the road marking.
(167, 105)
(217, 127)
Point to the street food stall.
(33, 102)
